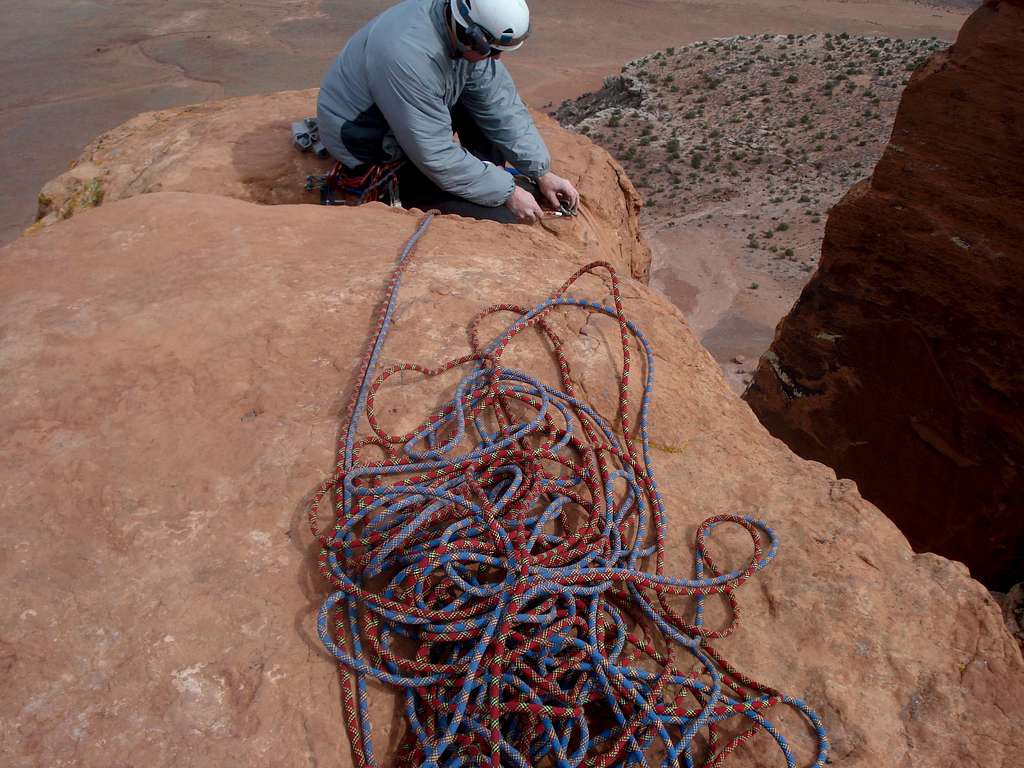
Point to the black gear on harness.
(366, 184)
(344, 186)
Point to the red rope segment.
(492, 564)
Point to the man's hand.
(524, 205)
(556, 191)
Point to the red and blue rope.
(503, 565)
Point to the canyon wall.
(901, 364)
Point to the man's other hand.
(524, 205)
(556, 191)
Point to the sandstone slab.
(242, 148)
(175, 364)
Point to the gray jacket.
(389, 93)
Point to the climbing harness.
(503, 564)
(341, 186)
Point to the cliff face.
(175, 364)
(900, 365)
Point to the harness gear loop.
(370, 183)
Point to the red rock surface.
(900, 365)
(201, 148)
(174, 365)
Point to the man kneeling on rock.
(426, 69)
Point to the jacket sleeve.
(416, 111)
(491, 96)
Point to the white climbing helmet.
(502, 25)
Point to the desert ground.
(740, 146)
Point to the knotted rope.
(495, 565)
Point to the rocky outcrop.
(618, 91)
(1012, 603)
(175, 364)
(900, 364)
(242, 148)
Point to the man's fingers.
(530, 215)
(572, 196)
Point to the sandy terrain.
(74, 68)
(740, 147)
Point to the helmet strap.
(469, 38)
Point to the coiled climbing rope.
(503, 565)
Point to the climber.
(422, 71)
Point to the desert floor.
(740, 146)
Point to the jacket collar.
(437, 13)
